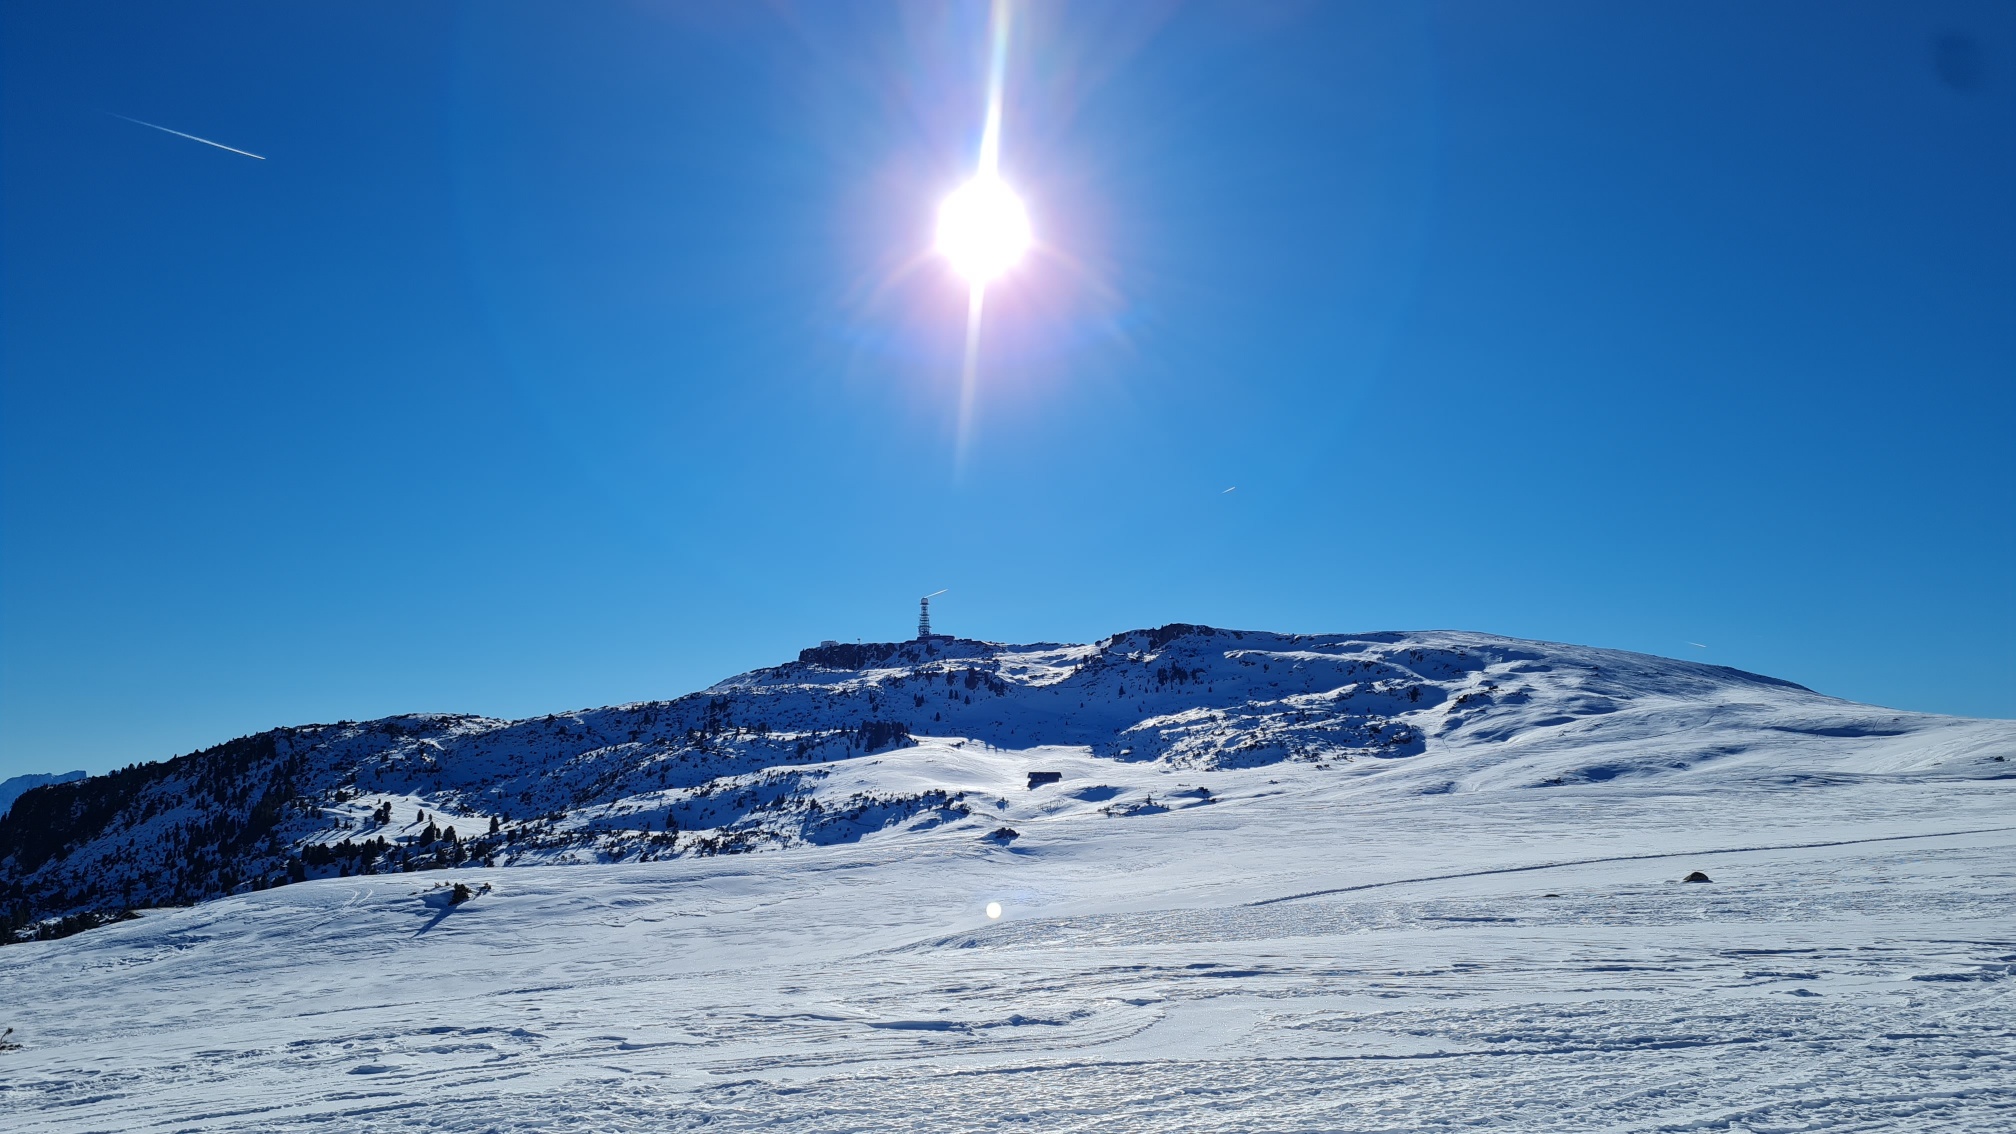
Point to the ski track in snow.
(1620, 858)
(1853, 973)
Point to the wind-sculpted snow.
(1292, 957)
(855, 740)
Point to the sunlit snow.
(1235, 906)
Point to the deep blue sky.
(562, 355)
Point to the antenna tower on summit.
(924, 613)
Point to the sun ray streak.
(969, 375)
(997, 67)
(990, 162)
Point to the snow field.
(1315, 951)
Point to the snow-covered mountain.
(1182, 879)
(11, 788)
(947, 736)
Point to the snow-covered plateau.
(1244, 881)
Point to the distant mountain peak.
(11, 789)
(857, 740)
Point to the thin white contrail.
(191, 137)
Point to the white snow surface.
(1246, 910)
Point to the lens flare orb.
(993, 910)
(983, 229)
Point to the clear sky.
(564, 355)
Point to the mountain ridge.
(852, 740)
(12, 788)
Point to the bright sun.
(982, 229)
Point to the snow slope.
(1285, 891)
(1280, 960)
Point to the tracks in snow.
(1565, 863)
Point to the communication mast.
(924, 614)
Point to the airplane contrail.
(1234, 488)
(191, 137)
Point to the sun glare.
(982, 229)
